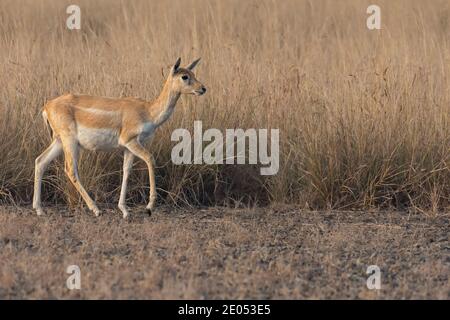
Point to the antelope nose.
(203, 90)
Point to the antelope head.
(183, 80)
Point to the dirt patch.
(275, 253)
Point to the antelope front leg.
(128, 158)
(139, 151)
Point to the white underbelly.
(98, 139)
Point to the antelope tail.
(47, 124)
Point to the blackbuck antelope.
(98, 123)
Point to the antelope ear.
(176, 66)
(193, 64)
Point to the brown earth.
(275, 253)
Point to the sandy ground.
(274, 253)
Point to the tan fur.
(101, 123)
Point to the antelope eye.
(185, 77)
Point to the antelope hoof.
(97, 212)
(150, 208)
(151, 203)
(125, 212)
(40, 212)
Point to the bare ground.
(275, 253)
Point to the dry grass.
(363, 115)
(279, 253)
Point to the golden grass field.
(364, 120)
(363, 115)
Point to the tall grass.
(363, 115)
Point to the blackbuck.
(100, 123)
